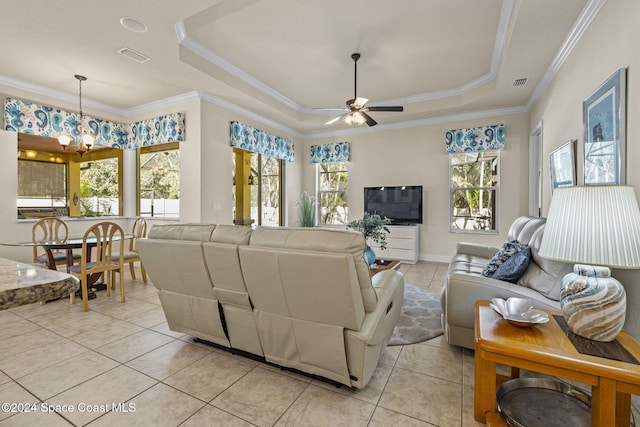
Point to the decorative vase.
(370, 256)
(593, 303)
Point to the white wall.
(610, 43)
(416, 156)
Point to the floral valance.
(249, 138)
(484, 138)
(330, 153)
(27, 117)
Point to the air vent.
(519, 82)
(132, 54)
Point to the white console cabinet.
(403, 243)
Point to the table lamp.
(596, 227)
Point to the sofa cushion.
(544, 275)
(507, 251)
(512, 269)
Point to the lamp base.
(593, 303)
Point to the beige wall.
(416, 156)
(610, 43)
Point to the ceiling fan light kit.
(355, 110)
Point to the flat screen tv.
(402, 204)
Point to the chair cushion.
(125, 255)
(507, 251)
(77, 268)
(43, 259)
(512, 269)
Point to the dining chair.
(103, 240)
(52, 230)
(131, 256)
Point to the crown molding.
(587, 16)
(57, 94)
(227, 105)
(163, 103)
(506, 12)
(422, 122)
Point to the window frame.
(159, 148)
(495, 188)
(320, 192)
(99, 155)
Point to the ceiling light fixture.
(86, 140)
(133, 24)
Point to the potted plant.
(373, 227)
(307, 205)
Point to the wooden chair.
(105, 238)
(131, 256)
(54, 230)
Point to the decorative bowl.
(519, 311)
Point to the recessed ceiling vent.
(519, 82)
(132, 54)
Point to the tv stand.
(403, 244)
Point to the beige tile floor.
(119, 364)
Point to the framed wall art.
(604, 118)
(563, 165)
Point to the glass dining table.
(68, 245)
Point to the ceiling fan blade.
(329, 109)
(376, 108)
(335, 119)
(368, 118)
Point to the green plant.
(307, 204)
(373, 227)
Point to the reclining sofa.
(301, 298)
(464, 283)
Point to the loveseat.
(301, 298)
(464, 283)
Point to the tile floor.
(119, 364)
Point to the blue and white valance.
(157, 130)
(27, 117)
(249, 138)
(484, 138)
(330, 153)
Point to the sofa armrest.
(476, 249)
(462, 290)
(378, 324)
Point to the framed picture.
(604, 117)
(563, 165)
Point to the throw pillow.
(507, 251)
(512, 269)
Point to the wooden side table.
(392, 265)
(546, 349)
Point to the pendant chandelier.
(86, 139)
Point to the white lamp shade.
(595, 225)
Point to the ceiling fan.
(355, 110)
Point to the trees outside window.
(159, 181)
(99, 187)
(333, 179)
(474, 179)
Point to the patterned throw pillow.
(512, 269)
(507, 251)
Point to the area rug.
(419, 318)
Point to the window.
(159, 180)
(257, 189)
(100, 187)
(332, 192)
(474, 190)
(265, 186)
(42, 185)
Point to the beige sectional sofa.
(464, 283)
(302, 298)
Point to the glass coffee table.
(546, 348)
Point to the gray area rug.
(419, 318)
